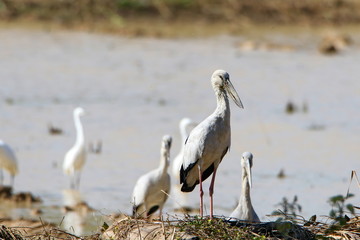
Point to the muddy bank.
(24, 198)
(163, 18)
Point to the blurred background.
(138, 67)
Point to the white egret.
(76, 156)
(150, 191)
(185, 126)
(244, 209)
(209, 141)
(8, 162)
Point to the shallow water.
(137, 90)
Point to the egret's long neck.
(245, 195)
(79, 130)
(164, 160)
(223, 106)
(184, 135)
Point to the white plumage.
(180, 198)
(244, 210)
(75, 158)
(8, 162)
(209, 141)
(184, 126)
(148, 195)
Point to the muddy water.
(136, 90)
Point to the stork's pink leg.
(201, 193)
(211, 191)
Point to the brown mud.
(7, 195)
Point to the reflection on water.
(138, 89)
(74, 218)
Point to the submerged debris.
(54, 130)
(334, 43)
(290, 107)
(95, 148)
(6, 194)
(281, 174)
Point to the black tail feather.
(186, 188)
(152, 210)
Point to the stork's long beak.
(248, 171)
(233, 94)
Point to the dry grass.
(200, 228)
(204, 228)
(348, 231)
(9, 234)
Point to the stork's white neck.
(245, 195)
(164, 160)
(223, 105)
(79, 130)
(184, 135)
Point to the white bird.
(151, 190)
(244, 209)
(209, 141)
(8, 162)
(184, 126)
(76, 156)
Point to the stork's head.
(221, 80)
(79, 111)
(246, 163)
(186, 122)
(165, 147)
(166, 142)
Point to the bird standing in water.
(8, 162)
(76, 156)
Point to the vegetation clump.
(138, 17)
(195, 227)
(289, 210)
(215, 228)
